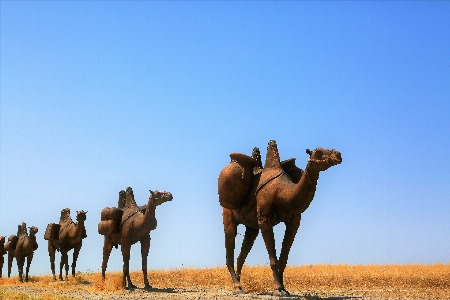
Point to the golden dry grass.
(414, 281)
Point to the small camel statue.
(2, 252)
(279, 192)
(70, 236)
(135, 225)
(20, 247)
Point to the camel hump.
(272, 156)
(129, 198)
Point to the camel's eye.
(318, 154)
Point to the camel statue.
(279, 192)
(135, 225)
(22, 246)
(2, 252)
(69, 236)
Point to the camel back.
(293, 172)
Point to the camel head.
(272, 155)
(33, 230)
(81, 215)
(321, 159)
(159, 198)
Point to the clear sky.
(98, 96)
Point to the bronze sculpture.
(65, 236)
(2, 252)
(21, 246)
(279, 192)
(128, 224)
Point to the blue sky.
(98, 96)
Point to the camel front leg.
(76, 251)
(51, 254)
(126, 268)
(247, 244)
(145, 248)
(20, 263)
(107, 247)
(64, 263)
(230, 229)
(289, 235)
(265, 224)
(29, 259)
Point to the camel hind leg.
(126, 267)
(247, 244)
(107, 247)
(230, 229)
(51, 254)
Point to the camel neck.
(304, 190)
(79, 228)
(150, 211)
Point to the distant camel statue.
(70, 236)
(22, 246)
(2, 252)
(134, 226)
(280, 192)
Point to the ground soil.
(226, 294)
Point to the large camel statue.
(22, 246)
(135, 226)
(70, 236)
(280, 192)
(2, 252)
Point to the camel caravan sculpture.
(65, 236)
(128, 224)
(261, 198)
(21, 247)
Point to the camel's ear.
(308, 152)
(151, 192)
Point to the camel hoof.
(239, 290)
(148, 287)
(280, 293)
(131, 287)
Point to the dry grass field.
(304, 282)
